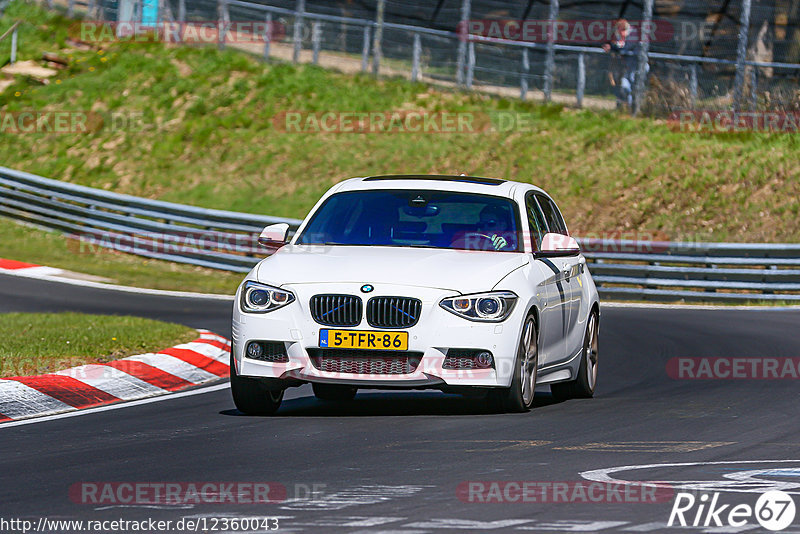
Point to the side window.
(536, 222)
(555, 222)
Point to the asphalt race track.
(394, 461)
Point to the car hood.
(457, 270)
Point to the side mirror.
(555, 245)
(274, 235)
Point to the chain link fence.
(682, 54)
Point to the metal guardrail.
(162, 230)
(226, 240)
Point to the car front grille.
(336, 310)
(393, 312)
(365, 362)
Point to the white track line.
(615, 304)
(115, 287)
(78, 413)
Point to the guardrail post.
(365, 50)
(523, 79)
(581, 80)
(550, 58)
(224, 21)
(753, 88)
(415, 58)
(376, 43)
(644, 49)
(181, 19)
(470, 64)
(316, 40)
(14, 47)
(741, 55)
(693, 84)
(297, 35)
(267, 36)
(462, 41)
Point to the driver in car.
(494, 225)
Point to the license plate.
(363, 339)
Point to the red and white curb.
(203, 360)
(28, 269)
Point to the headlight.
(261, 298)
(490, 307)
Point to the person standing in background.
(622, 69)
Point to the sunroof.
(437, 177)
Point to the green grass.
(36, 343)
(205, 136)
(24, 243)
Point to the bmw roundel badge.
(366, 288)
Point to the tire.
(334, 392)
(584, 384)
(519, 397)
(252, 396)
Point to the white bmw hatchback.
(455, 283)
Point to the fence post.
(297, 36)
(523, 79)
(741, 55)
(376, 43)
(222, 25)
(463, 37)
(365, 50)
(693, 84)
(14, 46)
(316, 40)
(181, 19)
(415, 58)
(71, 8)
(267, 36)
(50, 4)
(644, 50)
(550, 59)
(470, 64)
(753, 88)
(581, 79)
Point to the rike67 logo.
(774, 510)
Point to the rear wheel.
(519, 397)
(584, 384)
(334, 392)
(252, 396)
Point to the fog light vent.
(468, 359)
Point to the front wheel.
(252, 396)
(519, 397)
(584, 384)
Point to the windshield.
(414, 218)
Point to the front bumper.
(430, 339)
